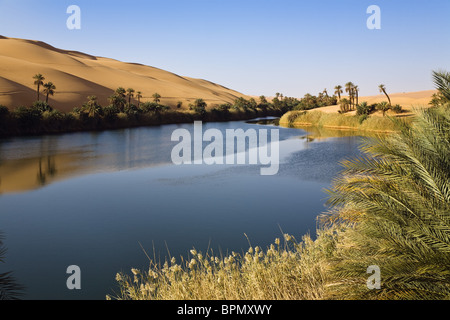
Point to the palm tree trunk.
(388, 98)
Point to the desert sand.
(408, 101)
(77, 75)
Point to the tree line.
(125, 109)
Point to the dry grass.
(338, 121)
(288, 271)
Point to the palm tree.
(383, 90)
(156, 97)
(117, 101)
(356, 90)
(38, 81)
(120, 92)
(130, 94)
(138, 97)
(441, 80)
(349, 88)
(325, 92)
(118, 98)
(338, 91)
(383, 107)
(391, 208)
(344, 105)
(49, 90)
(262, 100)
(92, 106)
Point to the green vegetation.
(38, 81)
(338, 91)
(312, 102)
(441, 80)
(43, 119)
(122, 112)
(362, 122)
(383, 107)
(382, 89)
(9, 288)
(398, 194)
(389, 208)
(156, 97)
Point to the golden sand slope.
(408, 101)
(78, 75)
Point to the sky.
(257, 47)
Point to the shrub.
(28, 119)
(4, 112)
(363, 118)
(383, 107)
(397, 108)
(364, 108)
(149, 107)
(199, 107)
(42, 106)
(53, 120)
(132, 110)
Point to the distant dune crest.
(78, 75)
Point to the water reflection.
(30, 163)
(9, 288)
(49, 171)
(19, 175)
(265, 121)
(320, 133)
(132, 200)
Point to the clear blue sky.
(254, 46)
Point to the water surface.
(96, 199)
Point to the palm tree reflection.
(49, 171)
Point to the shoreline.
(340, 122)
(156, 119)
(341, 128)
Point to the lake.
(104, 200)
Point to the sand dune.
(408, 101)
(78, 75)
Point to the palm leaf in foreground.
(393, 209)
(9, 289)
